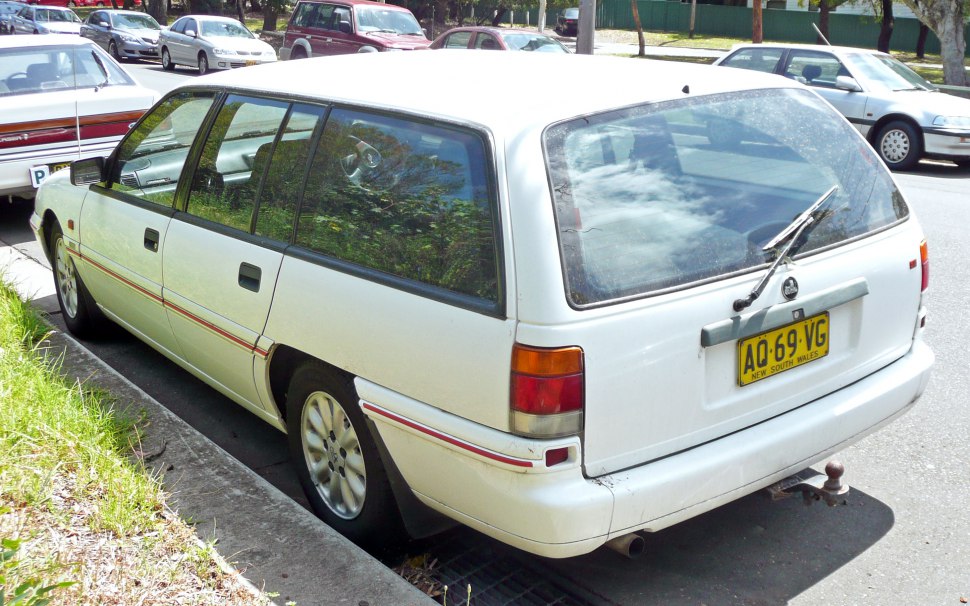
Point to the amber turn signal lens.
(540, 362)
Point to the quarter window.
(150, 160)
(405, 198)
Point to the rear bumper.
(15, 167)
(557, 512)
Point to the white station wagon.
(560, 320)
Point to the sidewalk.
(277, 545)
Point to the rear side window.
(405, 198)
(660, 196)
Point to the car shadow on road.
(943, 170)
(751, 551)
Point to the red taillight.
(924, 258)
(547, 390)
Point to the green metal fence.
(779, 25)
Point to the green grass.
(78, 512)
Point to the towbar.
(813, 486)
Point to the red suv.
(323, 27)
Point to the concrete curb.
(275, 544)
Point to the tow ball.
(813, 486)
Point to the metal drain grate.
(500, 578)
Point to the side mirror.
(190, 33)
(87, 171)
(345, 28)
(103, 24)
(847, 83)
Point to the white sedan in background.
(45, 20)
(210, 43)
(62, 99)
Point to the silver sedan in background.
(903, 116)
(210, 43)
(124, 34)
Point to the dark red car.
(498, 38)
(340, 27)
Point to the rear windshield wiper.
(792, 233)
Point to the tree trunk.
(541, 17)
(499, 14)
(240, 13)
(159, 10)
(639, 26)
(270, 14)
(823, 21)
(256, 6)
(886, 26)
(693, 18)
(921, 41)
(946, 18)
(757, 32)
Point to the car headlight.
(127, 38)
(952, 121)
(224, 52)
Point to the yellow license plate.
(251, 62)
(59, 166)
(781, 349)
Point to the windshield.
(571, 13)
(659, 196)
(882, 71)
(224, 29)
(54, 16)
(370, 19)
(40, 70)
(533, 42)
(135, 22)
(8, 9)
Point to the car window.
(757, 59)
(222, 186)
(38, 69)
(224, 29)
(279, 169)
(532, 42)
(178, 26)
(149, 161)
(370, 18)
(341, 15)
(457, 40)
(403, 197)
(190, 25)
(486, 42)
(135, 21)
(814, 69)
(659, 196)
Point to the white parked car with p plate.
(561, 321)
(61, 99)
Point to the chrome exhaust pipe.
(629, 545)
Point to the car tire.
(336, 459)
(899, 145)
(167, 64)
(113, 50)
(203, 64)
(81, 314)
(298, 53)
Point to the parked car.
(567, 22)
(901, 114)
(7, 10)
(318, 28)
(61, 98)
(498, 38)
(36, 19)
(559, 320)
(212, 43)
(124, 34)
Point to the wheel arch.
(300, 46)
(895, 117)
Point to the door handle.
(151, 239)
(249, 276)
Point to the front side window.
(661, 196)
(405, 198)
(150, 160)
(814, 69)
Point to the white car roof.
(837, 50)
(45, 40)
(490, 88)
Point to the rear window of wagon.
(659, 196)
